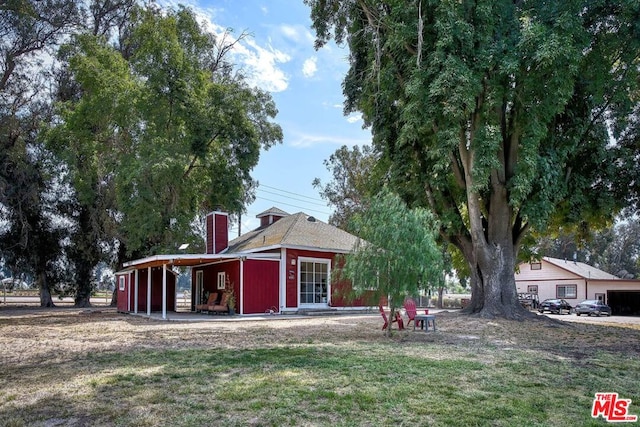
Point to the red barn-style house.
(284, 265)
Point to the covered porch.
(148, 285)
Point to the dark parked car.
(593, 306)
(554, 306)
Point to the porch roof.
(190, 260)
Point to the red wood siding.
(132, 294)
(122, 293)
(261, 286)
(209, 227)
(336, 288)
(210, 278)
(217, 229)
(291, 279)
(340, 296)
(232, 273)
(156, 290)
(269, 219)
(221, 232)
(142, 291)
(341, 292)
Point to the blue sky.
(306, 85)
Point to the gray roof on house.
(298, 230)
(581, 269)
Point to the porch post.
(149, 291)
(282, 288)
(129, 291)
(164, 291)
(135, 295)
(240, 297)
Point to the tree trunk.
(392, 315)
(497, 279)
(82, 302)
(492, 248)
(45, 292)
(84, 287)
(114, 297)
(86, 253)
(493, 286)
(477, 290)
(387, 331)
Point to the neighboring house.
(284, 265)
(576, 282)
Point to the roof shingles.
(297, 230)
(581, 269)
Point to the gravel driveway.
(602, 320)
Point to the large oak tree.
(501, 116)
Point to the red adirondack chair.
(410, 308)
(397, 319)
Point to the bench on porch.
(222, 306)
(213, 297)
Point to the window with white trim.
(121, 283)
(221, 280)
(567, 291)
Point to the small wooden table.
(425, 320)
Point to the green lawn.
(345, 373)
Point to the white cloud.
(259, 64)
(304, 140)
(297, 33)
(290, 31)
(354, 118)
(310, 67)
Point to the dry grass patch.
(66, 367)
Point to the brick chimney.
(217, 226)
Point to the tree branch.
(192, 164)
(457, 172)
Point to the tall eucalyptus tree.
(30, 194)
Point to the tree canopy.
(500, 116)
(353, 181)
(150, 126)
